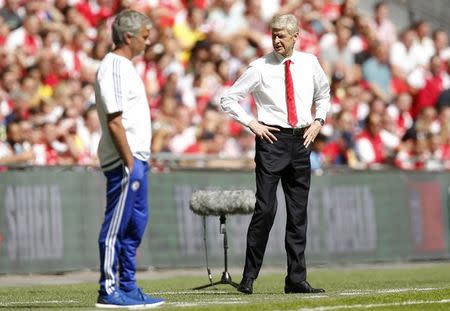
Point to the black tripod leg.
(226, 277)
(206, 257)
(204, 286)
(207, 285)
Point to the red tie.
(290, 100)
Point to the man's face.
(375, 124)
(139, 42)
(382, 53)
(283, 42)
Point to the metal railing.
(168, 162)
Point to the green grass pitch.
(393, 287)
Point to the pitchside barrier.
(50, 218)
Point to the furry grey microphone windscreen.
(222, 202)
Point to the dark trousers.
(286, 159)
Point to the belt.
(295, 131)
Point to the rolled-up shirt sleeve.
(229, 101)
(321, 91)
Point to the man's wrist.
(252, 121)
(320, 120)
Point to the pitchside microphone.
(222, 202)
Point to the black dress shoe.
(301, 288)
(246, 286)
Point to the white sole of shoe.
(134, 307)
(109, 306)
(154, 305)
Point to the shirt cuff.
(321, 115)
(247, 119)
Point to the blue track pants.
(124, 224)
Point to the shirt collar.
(281, 59)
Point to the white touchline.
(193, 304)
(215, 300)
(16, 303)
(189, 292)
(377, 305)
(350, 292)
(388, 291)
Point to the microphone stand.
(226, 277)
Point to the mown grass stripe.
(377, 305)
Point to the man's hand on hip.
(311, 133)
(263, 131)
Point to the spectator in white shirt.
(441, 48)
(423, 42)
(383, 27)
(404, 54)
(226, 20)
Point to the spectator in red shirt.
(400, 111)
(97, 11)
(428, 95)
(369, 145)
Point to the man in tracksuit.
(124, 151)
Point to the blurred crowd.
(390, 87)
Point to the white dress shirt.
(264, 78)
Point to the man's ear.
(127, 38)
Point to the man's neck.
(281, 57)
(123, 51)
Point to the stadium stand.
(390, 86)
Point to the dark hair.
(418, 23)
(410, 134)
(379, 4)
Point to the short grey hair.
(285, 21)
(127, 21)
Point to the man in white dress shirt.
(285, 83)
